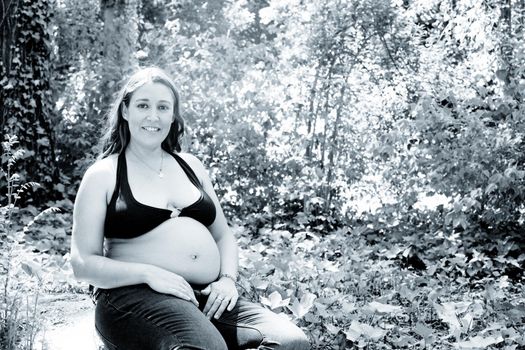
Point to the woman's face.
(150, 114)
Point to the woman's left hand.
(222, 294)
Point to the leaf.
(466, 322)
(275, 300)
(331, 328)
(393, 252)
(502, 74)
(347, 307)
(352, 335)
(358, 329)
(478, 342)
(300, 308)
(423, 330)
(260, 284)
(32, 269)
(384, 308)
(448, 313)
(403, 342)
(407, 293)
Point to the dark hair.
(117, 135)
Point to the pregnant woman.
(149, 234)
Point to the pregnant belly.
(181, 245)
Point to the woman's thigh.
(250, 325)
(136, 317)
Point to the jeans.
(137, 317)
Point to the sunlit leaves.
(427, 165)
(384, 308)
(301, 306)
(275, 300)
(358, 329)
(448, 312)
(478, 342)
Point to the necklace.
(159, 173)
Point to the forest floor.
(351, 288)
(67, 322)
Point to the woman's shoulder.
(189, 158)
(103, 170)
(194, 162)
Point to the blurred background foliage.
(306, 112)
(328, 127)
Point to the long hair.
(117, 135)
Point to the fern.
(14, 329)
(40, 215)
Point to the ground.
(68, 322)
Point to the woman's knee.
(206, 340)
(287, 337)
(203, 343)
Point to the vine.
(25, 90)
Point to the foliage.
(367, 139)
(19, 318)
(76, 93)
(320, 95)
(350, 289)
(25, 92)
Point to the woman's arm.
(87, 241)
(87, 257)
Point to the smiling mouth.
(151, 128)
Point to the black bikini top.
(128, 218)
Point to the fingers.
(219, 299)
(209, 304)
(206, 290)
(221, 308)
(183, 290)
(188, 292)
(232, 303)
(164, 281)
(215, 305)
(193, 299)
(184, 294)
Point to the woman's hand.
(222, 294)
(164, 281)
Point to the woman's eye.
(164, 108)
(142, 106)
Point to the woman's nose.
(154, 115)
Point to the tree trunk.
(506, 49)
(8, 22)
(334, 146)
(8, 9)
(120, 43)
(25, 89)
(311, 113)
(326, 106)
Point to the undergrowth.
(369, 286)
(21, 275)
(362, 288)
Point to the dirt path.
(68, 323)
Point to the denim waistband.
(95, 291)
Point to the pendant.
(161, 174)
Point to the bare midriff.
(181, 245)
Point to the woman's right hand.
(164, 281)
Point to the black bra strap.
(120, 164)
(188, 170)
